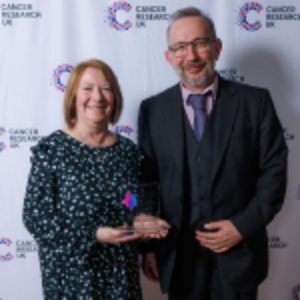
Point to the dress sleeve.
(41, 212)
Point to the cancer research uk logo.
(123, 129)
(2, 131)
(143, 14)
(18, 136)
(8, 256)
(273, 15)
(242, 16)
(231, 74)
(295, 293)
(112, 17)
(18, 11)
(22, 248)
(2, 145)
(57, 74)
(275, 242)
(287, 135)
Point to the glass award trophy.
(138, 208)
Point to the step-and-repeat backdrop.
(41, 41)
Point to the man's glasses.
(199, 44)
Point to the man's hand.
(149, 267)
(114, 236)
(224, 236)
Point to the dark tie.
(198, 102)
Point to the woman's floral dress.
(71, 192)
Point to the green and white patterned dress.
(70, 193)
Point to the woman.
(71, 205)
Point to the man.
(217, 150)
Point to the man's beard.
(209, 71)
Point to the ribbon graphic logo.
(2, 147)
(295, 293)
(123, 129)
(56, 76)
(7, 257)
(112, 15)
(2, 131)
(242, 16)
(298, 192)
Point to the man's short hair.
(191, 12)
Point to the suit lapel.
(172, 112)
(221, 122)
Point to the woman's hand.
(115, 236)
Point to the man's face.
(195, 68)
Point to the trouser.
(200, 278)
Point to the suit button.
(202, 218)
(200, 177)
(201, 198)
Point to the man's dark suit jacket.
(247, 153)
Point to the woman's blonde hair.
(72, 87)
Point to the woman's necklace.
(100, 158)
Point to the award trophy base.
(145, 224)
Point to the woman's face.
(94, 99)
